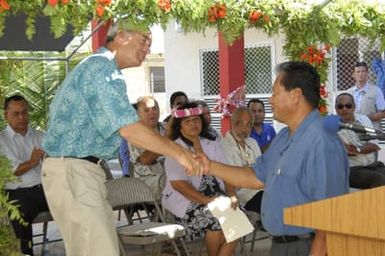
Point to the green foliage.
(37, 81)
(296, 18)
(312, 23)
(9, 245)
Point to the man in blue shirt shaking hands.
(304, 162)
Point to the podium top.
(360, 213)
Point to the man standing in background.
(368, 98)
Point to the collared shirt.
(18, 148)
(239, 156)
(350, 137)
(358, 94)
(307, 166)
(89, 109)
(267, 135)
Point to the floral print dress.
(198, 218)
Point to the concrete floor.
(261, 247)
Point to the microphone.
(366, 137)
(332, 123)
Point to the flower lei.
(180, 113)
(226, 105)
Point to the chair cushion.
(150, 232)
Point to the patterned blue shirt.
(307, 166)
(267, 135)
(89, 109)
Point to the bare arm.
(36, 155)
(318, 247)
(188, 191)
(366, 149)
(377, 116)
(140, 135)
(240, 177)
(147, 157)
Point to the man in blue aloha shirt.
(88, 116)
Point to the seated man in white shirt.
(22, 146)
(242, 150)
(365, 171)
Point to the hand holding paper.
(234, 223)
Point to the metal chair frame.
(130, 191)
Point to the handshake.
(195, 163)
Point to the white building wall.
(182, 67)
(138, 81)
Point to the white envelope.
(234, 223)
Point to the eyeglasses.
(348, 106)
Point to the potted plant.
(9, 244)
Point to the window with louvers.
(259, 66)
(258, 70)
(157, 80)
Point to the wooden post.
(231, 70)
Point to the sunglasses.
(341, 106)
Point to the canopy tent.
(15, 38)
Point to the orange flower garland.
(165, 5)
(53, 3)
(316, 56)
(101, 4)
(4, 5)
(216, 12)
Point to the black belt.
(92, 159)
(289, 239)
(26, 188)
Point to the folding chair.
(43, 217)
(254, 218)
(128, 191)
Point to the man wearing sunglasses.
(369, 98)
(365, 171)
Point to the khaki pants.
(76, 196)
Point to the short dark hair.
(361, 64)
(255, 100)
(177, 124)
(301, 75)
(15, 97)
(345, 94)
(176, 94)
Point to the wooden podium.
(354, 223)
